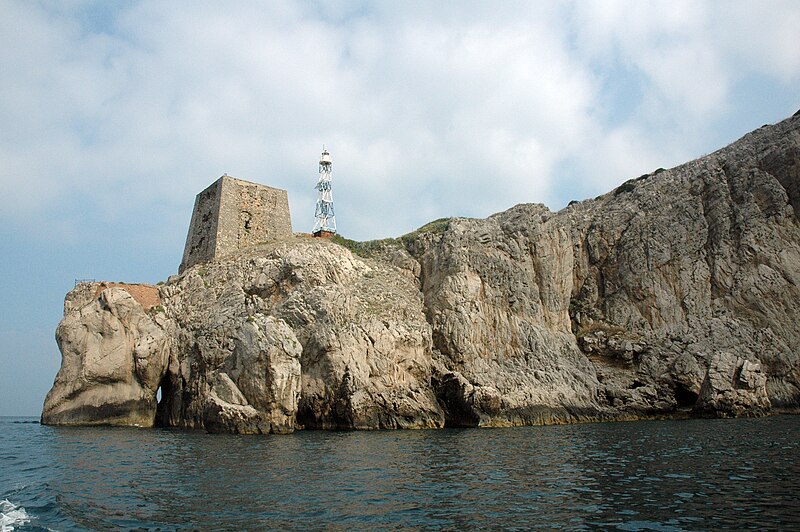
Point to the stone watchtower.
(232, 214)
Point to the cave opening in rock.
(684, 397)
(165, 402)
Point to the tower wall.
(232, 214)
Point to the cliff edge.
(676, 294)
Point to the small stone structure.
(232, 214)
(144, 294)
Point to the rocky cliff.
(676, 294)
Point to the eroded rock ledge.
(677, 294)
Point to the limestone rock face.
(497, 295)
(301, 334)
(676, 294)
(114, 355)
(733, 387)
(679, 266)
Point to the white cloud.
(429, 109)
(759, 37)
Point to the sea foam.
(12, 515)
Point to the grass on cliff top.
(365, 249)
(370, 248)
(436, 227)
(630, 184)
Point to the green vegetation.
(370, 248)
(436, 227)
(367, 249)
(641, 178)
(627, 186)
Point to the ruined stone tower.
(232, 214)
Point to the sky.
(115, 114)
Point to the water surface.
(647, 475)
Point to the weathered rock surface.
(676, 294)
(113, 357)
(733, 387)
(299, 334)
(497, 297)
(692, 263)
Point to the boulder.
(733, 387)
(113, 357)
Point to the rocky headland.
(676, 294)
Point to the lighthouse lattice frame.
(325, 225)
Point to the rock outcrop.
(733, 387)
(695, 262)
(677, 294)
(302, 334)
(113, 357)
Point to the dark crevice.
(168, 408)
(450, 394)
(684, 397)
(447, 387)
(712, 235)
(784, 167)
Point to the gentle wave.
(650, 475)
(12, 515)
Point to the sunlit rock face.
(682, 268)
(113, 356)
(298, 334)
(674, 295)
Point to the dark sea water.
(647, 475)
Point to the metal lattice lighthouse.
(325, 226)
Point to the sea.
(646, 475)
